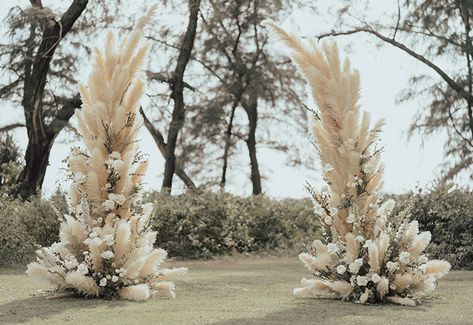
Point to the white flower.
(117, 198)
(114, 278)
(108, 205)
(136, 281)
(375, 278)
(328, 220)
(332, 248)
(327, 168)
(55, 247)
(367, 168)
(115, 155)
(333, 212)
(79, 177)
(103, 282)
(392, 286)
(361, 280)
(404, 257)
(82, 268)
(96, 241)
(117, 164)
(354, 267)
(70, 264)
(360, 238)
(318, 209)
(108, 239)
(107, 255)
(359, 261)
(391, 266)
(341, 269)
(387, 207)
(351, 218)
(368, 243)
(108, 276)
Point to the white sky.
(384, 73)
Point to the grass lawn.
(233, 291)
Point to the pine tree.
(365, 256)
(106, 245)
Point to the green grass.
(233, 291)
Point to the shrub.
(206, 224)
(10, 162)
(448, 215)
(25, 225)
(16, 244)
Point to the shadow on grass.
(24, 310)
(329, 311)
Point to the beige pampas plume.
(363, 257)
(84, 285)
(106, 245)
(139, 292)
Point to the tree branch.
(453, 84)
(162, 78)
(159, 140)
(12, 126)
(63, 115)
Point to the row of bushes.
(210, 224)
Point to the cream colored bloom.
(341, 269)
(361, 280)
(332, 248)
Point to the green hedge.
(448, 215)
(211, 224)
(24, 226)
(208, 224)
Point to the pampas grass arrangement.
(106, 245)
(364, 256)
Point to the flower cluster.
(366, 255)
(106, 245)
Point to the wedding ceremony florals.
(366, 255)
(106, 244)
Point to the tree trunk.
(228, 142)
(37, 65)
(32, 176)
(177, 90)
(159, 140)
(251, 109)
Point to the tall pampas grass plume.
(106, 244)
(366, 255)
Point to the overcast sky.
(384, 73)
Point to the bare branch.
(452, 83)
(12, 126)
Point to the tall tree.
(250, 76)
(438, 34)
(30, 63)
(177, 94)
(40, 72)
